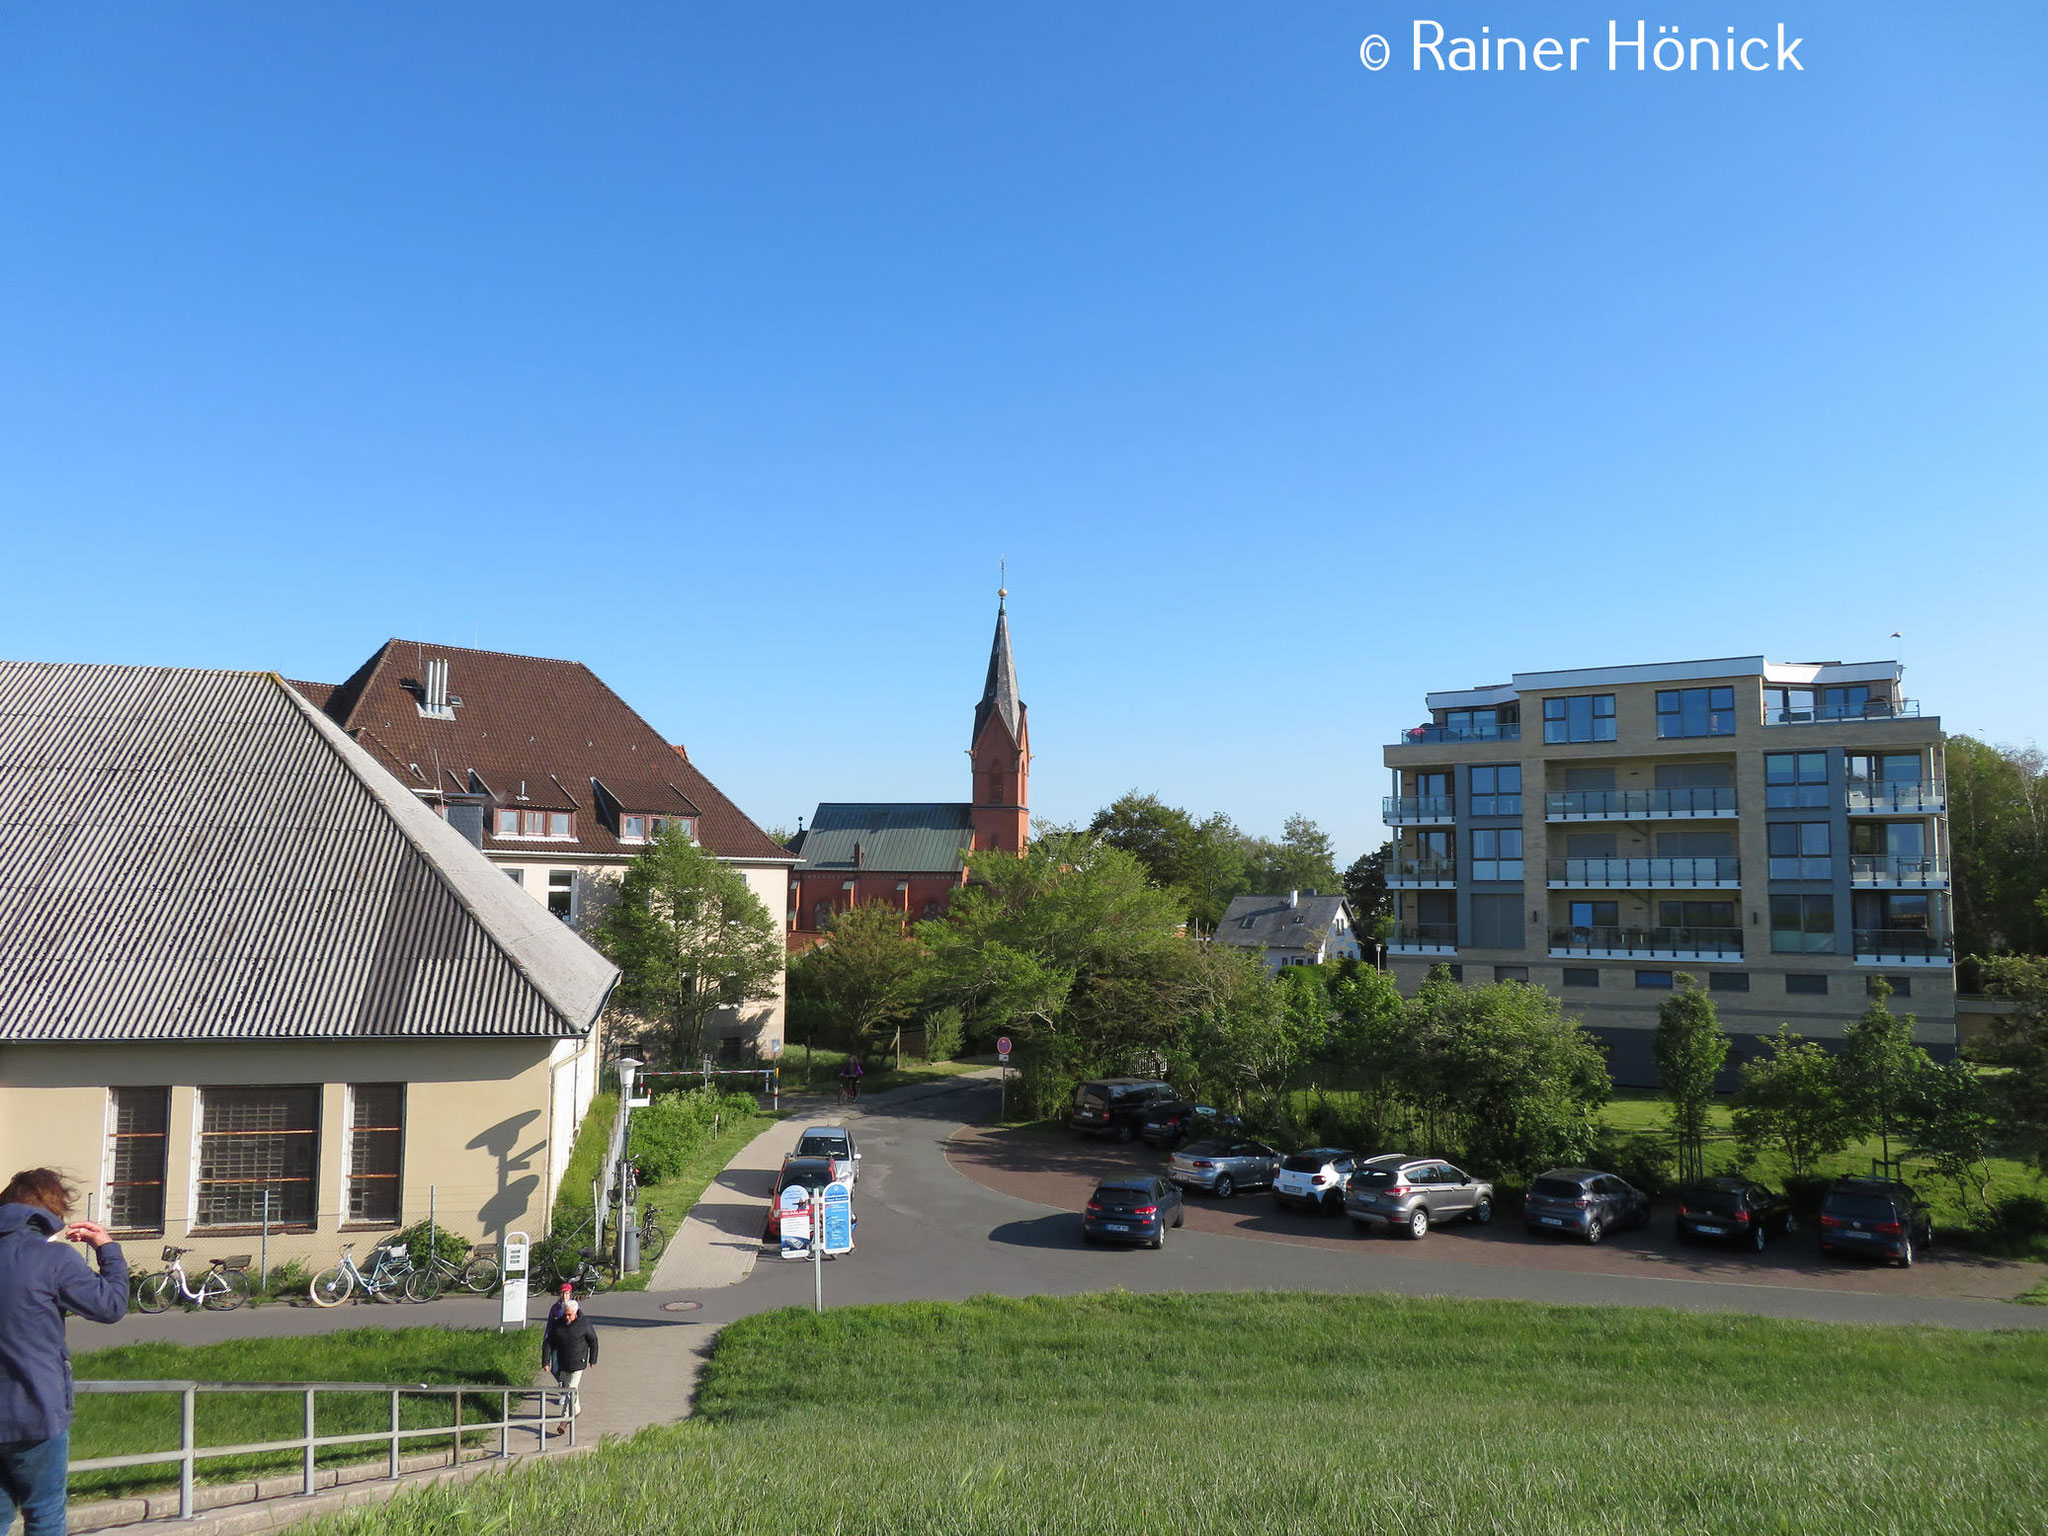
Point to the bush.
(1806, 1191)
(2014, 1228)
(287, 1279)
(451, 1246)
(672, 1129)
(1644, 1160)
(943, 1031)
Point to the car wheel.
(1684, 1235)
(1225, 1186)
(1757, 1239)
(1121, 1135)
(1418, 1223)
(1482, 1213)
(1090, 1238)
(1791, 1224)
(1178, 1215)
(1905, 1258)
(1595, 1230)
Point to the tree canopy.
(1998, 833)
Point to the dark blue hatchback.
(1136, 1210)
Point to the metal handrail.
(1686, 943)
(1433, 808)
(188, 1454)
(1668, 874)
(1674, 804)
(1425, 869)
(1434, 935)
(1870, 709)
(1897, 869)
(1909, 799)
(1905, 943)
(1416, 735)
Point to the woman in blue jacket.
(40, 1281)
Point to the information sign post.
(512, 1302)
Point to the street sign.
(774, 1047)
(512, 1302)
(1003, 1046)
(837, 1223)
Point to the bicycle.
(479, 1273)
(221, 1289)
(849, 1089)
(652, 1238)
(390, 1277)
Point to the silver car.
(1224, 1167)
(834, 1142)
(1413, 1194)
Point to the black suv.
(1171, 1122)
(1879, 1216)
(1116, 1106)
(1733, 1210)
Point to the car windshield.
(1375, 1176)
(1860, 1207)
(1715, 1199)
(1557, 1189)
(823, 1146)
(1112, 1194)
(1306, 1162)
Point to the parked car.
(1314, 1180)
(1412, 1194)
(835, 1144)
(1174, 1121)
(807, 1172)
(1732, 1209)
(1223, 1166)
(1876, 1216)
(1116, 1106)
(1584, 1202)
(1132, 1211)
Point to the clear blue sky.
(727, 348)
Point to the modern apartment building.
(1777, 830)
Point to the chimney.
(435, 701)
(466, 815)
(1294, 898)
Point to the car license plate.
(1114, 1226)
(1714, 1231)
(1551, 1221)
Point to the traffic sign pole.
(1003, 1082)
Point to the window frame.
(1813, 857)
(1497, 865)
(1655, 981)
(1807, 906)
(1799, 792)
(355, 1212)
(1712, 709)
(211, 1143)
(1577, 976)
(1811, 983)
(1727, 981)
(120, 1169)
(1494, 798)
(1559, 724)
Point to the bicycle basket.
(171, 1254)
(484, 1251)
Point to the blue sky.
(728, 348)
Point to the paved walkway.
(720, 1239)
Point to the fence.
(188, 1455)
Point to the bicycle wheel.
(596, 1278)
(652, 1241)
(480, 1275)
(331, 1287)
(156, 1292)
(542, 1272)
(423, 1285)
(388, 1286)
(224, 1290)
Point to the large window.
(1587, 717)
(1588, 915)
(1800, 850)
(1696, 712)
(1803, 925)
(562, 894)
(1788, 706)
(1674, 912)
(1886, 767)
(1795, 780)
(255, 1142)
(376, 1152)
(1497, 790)
(1496, 853)
(514, 823)
(138, 1124)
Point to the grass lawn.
(674, 1197)
(125, 1425)
(824, 1071)
(1244, 1415)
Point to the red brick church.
(911, 855)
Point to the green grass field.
(1246, 1415)
(824, 1072)
(129, 1425)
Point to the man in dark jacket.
(40, 1281)
(569, 1348)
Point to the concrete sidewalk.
(720, 1239)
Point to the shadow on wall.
(515, 1185)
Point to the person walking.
(568, 1348)
(41, 1281)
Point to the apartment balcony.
(1418, 810)
(1454, 735)
(1898, 871)
(1846, 714)
(1716, 803)
(1644, 874)
(1870, 797)
(1902, 946)
(1422, 874)
(1646, 943)
(1423, 939)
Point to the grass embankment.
(1242, 1415)
(129, 1425)
(881, 1075)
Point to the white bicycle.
(222, 1288)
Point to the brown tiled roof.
(538, 727)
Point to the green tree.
(1248, 1033)
(855, 987)
(689, 938)
(1365, 886)
(1691, 1048)
(1792, 1099)
(1998, 835)
(1878, 1067)
(2019, 1044)
(1949, 1115)
(1303, 860)
(1203, 860)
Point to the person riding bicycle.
(850, 1074)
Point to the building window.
(632, 829)
(560, 825)
(1885, 767)
(1496, 853)
(1659, 981)
(1696, 712)
(138, 1126)
(821, 916)
(1497, 922)
(376, 1153)
(1728, 981)
(505, 824)
(1795, 780)
(1588, 916)
(1788, 706)
(1581, 976)
(1800, 850)
(1680, 913)
(1807, 985)
(1588, 717)
(518, 876)
(1457, 972)
(255, 1142)
(562, 894)
(933, 908)
(1902, 986)
(1511, 973)
(1497, 790)
(1803, 925)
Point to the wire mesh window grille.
(138, 1136)
(376, 1152)
(254, 1140)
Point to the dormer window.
(641, 829)
(560, 826)
(632, 829)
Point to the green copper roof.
(905, 839)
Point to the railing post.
(394, 1432)
(505, 1425)
(455, 1458)
(185, 1445)
(310, 1391)
(574, 1398)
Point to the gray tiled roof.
(190, 855)
(1272, 922)
(896, 839)
(999, 693)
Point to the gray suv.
(1412, 1194)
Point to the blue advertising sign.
(837, 1202)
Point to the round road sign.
(1003, 1045)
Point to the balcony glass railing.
(1620, 804)
(1424, 735)
(1611, 874)
(1876, 797)
(1835, 714)
(1896, 869)
(1653, 943)
(1423, 936)
(1902, 944)
(1424, 871)
(1423, 808)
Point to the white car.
(1314, 1180)
(835, 1142)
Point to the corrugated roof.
(190, 855)
(887, 839)
(1272, 921)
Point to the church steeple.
(1001, 749)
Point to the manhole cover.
(681, 1306)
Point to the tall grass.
(1254, 1414)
